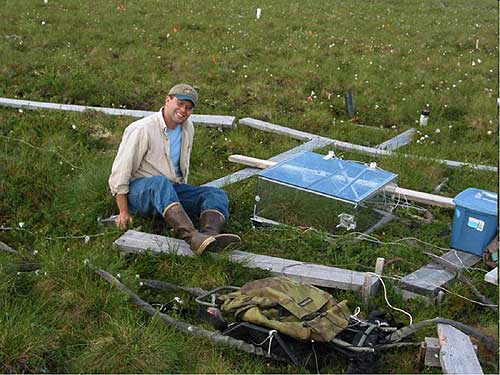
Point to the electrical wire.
(387, 300)
(41, 149)
(315, 356)
(399, 278)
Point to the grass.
(397, 57)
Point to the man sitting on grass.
(149, 175)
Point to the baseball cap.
(185, 92)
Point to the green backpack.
(298, 310)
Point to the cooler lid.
(478, 200)
(341, 179)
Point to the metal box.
(331, 194)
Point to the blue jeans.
(150, 195)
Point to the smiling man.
(150, 171)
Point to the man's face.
(177, 111)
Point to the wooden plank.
(202, 120)
(233, 177)
(457, 355)
(432, 350)
(7, 248)
(421, 197)
(440, 186)
(133, 241)
(331, 277)
(316, 274)
(278, 129)
(412, 195)
(31, 104)
(313, 144)
(253, 162)
(398, 141)
(492, 276)
(379, 266)
(109, 221)
(428, 280)
(214, 121)
(346, 146)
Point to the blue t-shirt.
(175, 140)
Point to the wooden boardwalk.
(316, 274)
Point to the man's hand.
(123, 220)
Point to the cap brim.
(185, 97)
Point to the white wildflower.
(438, 130)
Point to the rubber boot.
(175, 215)
(212, 222)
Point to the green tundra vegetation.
(291, 67)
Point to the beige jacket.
(145, 151)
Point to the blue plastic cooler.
(475, 222)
